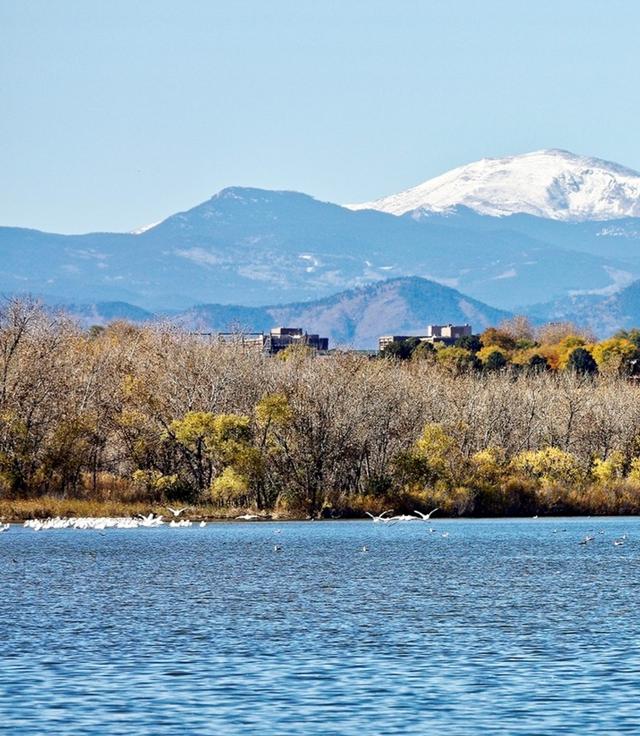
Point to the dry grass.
(20, 510)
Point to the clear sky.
(118, 113)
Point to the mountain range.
(550, 233)
(354, 318)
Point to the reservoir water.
(503, 626)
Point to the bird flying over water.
(382, 516)
(177, 512)
(426, 517)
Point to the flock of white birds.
(100, 523)
(416, 516)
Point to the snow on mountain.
(552, 183)
(144, 228)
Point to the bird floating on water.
(247, 517)
(587, 539)
(203, 523)
(277, 548)
(618, 542)
(150, 520)
(364, 548)
(182, 523)
(4, 527)
(91, 522)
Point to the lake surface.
(506, 626)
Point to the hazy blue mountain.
(616, 239)
(402, 306)
(255, 247)
(101, 313)
(603, 313)
(356, 317)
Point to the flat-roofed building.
(271, 342)
(450, 332)
(443, 334)
(280, 338)
(386, 340)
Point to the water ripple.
(504, 626)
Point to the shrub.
(548, 466)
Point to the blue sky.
(115, 114)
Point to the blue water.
(507, 627)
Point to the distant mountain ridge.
(604, 314)
(252, 247)
(256, 247)
(354, 318)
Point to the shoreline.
(106, 510)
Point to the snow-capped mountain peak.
(551, 183)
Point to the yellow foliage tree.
(607, 469)
(634, 470)
(456, 360)
(440, 457)
(549, 466)
(610, 355)
(230, 487)
(488, 464)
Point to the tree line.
(151, 415)
(517, 344)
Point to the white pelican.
(177, 512)
(382, 517)
(426, 517)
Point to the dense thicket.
(153, 414)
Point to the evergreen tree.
(581, 361)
